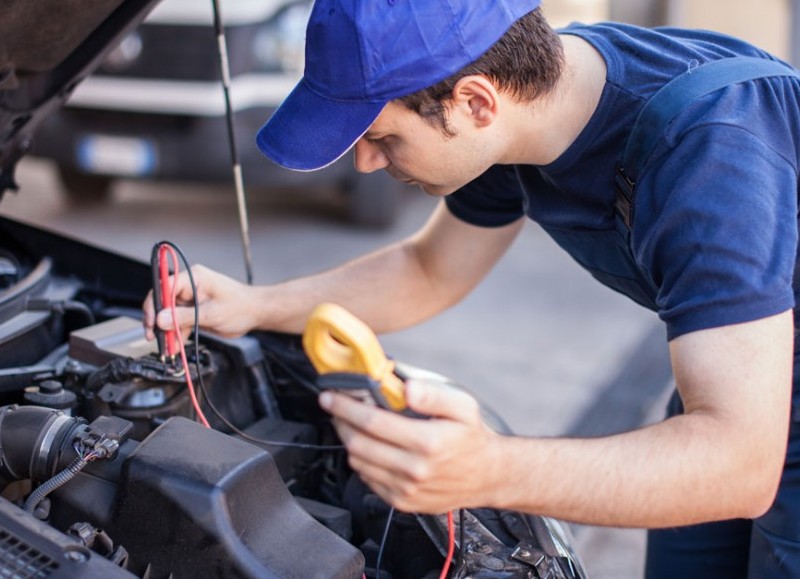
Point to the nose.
(369, 157)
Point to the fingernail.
(326, 400)
(164, 320)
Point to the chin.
(437, 190)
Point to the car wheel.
(372, 199)
(83, 187)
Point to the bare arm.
(399, 285)
(391, 288)
(721, 459)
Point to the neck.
(546, 127)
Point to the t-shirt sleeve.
(492, 200)
(718, 230)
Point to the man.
(482, 104)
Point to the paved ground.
(541, 342)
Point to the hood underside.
(46, 48)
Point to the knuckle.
(403, 495)
(368, 417)
(417, 472)
(429, 446)
(353, 462)
(400, 504)
(472, 405)
(355, 445)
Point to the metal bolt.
(77, 556)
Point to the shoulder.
(642, 60)
(715, 224)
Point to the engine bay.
(106, 472)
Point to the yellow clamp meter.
(348, 357)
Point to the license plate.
(127, 156)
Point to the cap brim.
(309, 132)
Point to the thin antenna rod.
(237, 167)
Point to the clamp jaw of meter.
(349, 359)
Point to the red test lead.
(167, 300)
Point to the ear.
(477, 96)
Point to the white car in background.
(155, 108)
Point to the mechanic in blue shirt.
(482, 104)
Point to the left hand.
(418, 465)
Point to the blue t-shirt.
(713, 239)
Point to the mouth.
(404, 179)
(399, 177)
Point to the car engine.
(105, 472)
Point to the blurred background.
(141, 154)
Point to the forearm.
(386, 289)
(400, 285)
(389, 289)
(722, 459)
(682, 471)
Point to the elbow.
(757, 507)
(439, 287)
(760, 484)
(748, 478)
(762, 497)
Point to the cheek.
(407, 158)
(434, 157)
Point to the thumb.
(185, 318)
(441, 401)
(164, 320)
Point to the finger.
(184, 294)
(164, 320)
(441, 401)
(383, 491)
(185, 319)
(404, 497)
(378, 453)
(377, 422)
(149, 317)
(378, 480)
(380, 465)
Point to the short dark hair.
(526, 61)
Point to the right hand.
(224, 304)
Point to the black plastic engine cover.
(194, 502)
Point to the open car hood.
(47, 47)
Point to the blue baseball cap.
(361, 54)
